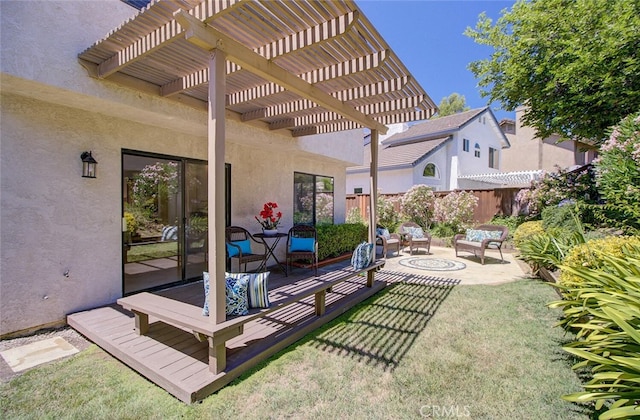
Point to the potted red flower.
(269, 218)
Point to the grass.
(483, 352)
(152, 251)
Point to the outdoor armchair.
(242, 246)
(415, 236)
(302, 244)
(388, 241)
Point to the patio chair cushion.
(474, 235)
(302, 244)
(415, 232)
(258, 288)
(245, 247)
(383, 232)
(362, 256)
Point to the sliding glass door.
(164, 232)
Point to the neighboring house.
(529, 153)
(437, 153)
(137, 98)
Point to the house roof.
(402, 155)
(435, 127)
(306, 66)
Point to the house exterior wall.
(527, 152)
(480, 131)
(60, 234)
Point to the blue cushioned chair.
(242, 246)
(302, 244)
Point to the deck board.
(173, 359)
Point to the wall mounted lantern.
(88, 165)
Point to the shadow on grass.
(381, 330)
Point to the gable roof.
(435, 127)
(402, 155)
(306, 66)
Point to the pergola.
(302, 67)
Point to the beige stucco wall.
(53, 221)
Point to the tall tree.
(452, 104)
(575, 64)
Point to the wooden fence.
(497, 202)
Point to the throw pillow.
(258, 288)
(474, 235)
(205, 281)
(383, 232)
(302, 244)
(236, 295)
(245, 247)
(362, 256)
(415, 232)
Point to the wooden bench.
(189, 317)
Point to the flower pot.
(270, 232)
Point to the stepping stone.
(34, 354)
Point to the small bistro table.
(271, 247)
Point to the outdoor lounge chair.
(480, 239)
(415, 237)
(302, 244)
(242, 246)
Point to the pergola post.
(373, 183)
(216, 186)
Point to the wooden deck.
(173, 359)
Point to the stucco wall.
(483, 134)
(53, 221)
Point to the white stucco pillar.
(216, 140)
(373, 184)
(453, 175)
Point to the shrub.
(605, 308)
(556, 187)
(511, 222)
(336, 240)
(131, 223)
(618, 176)
(562, 217)
(592, 253)
(355, 217)
(526, 230)
(456, 210)
(418, 204)
(386, 214)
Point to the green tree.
(452, 104)
(575, 64)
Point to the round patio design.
(432, 264)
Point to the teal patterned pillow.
(258, 288)
(415, 232)
(383, 232)
(236, 293)
(362, 256)
(480, 235)
(205, 281)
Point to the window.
(465, 145)
(493, 158)
(312, 199)
(430, 171)
(357, 190)
(476, 151)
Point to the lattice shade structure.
(309, 67)
(513, 179)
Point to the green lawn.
(482, 352)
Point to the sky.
(427, 37)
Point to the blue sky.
(427, 36)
